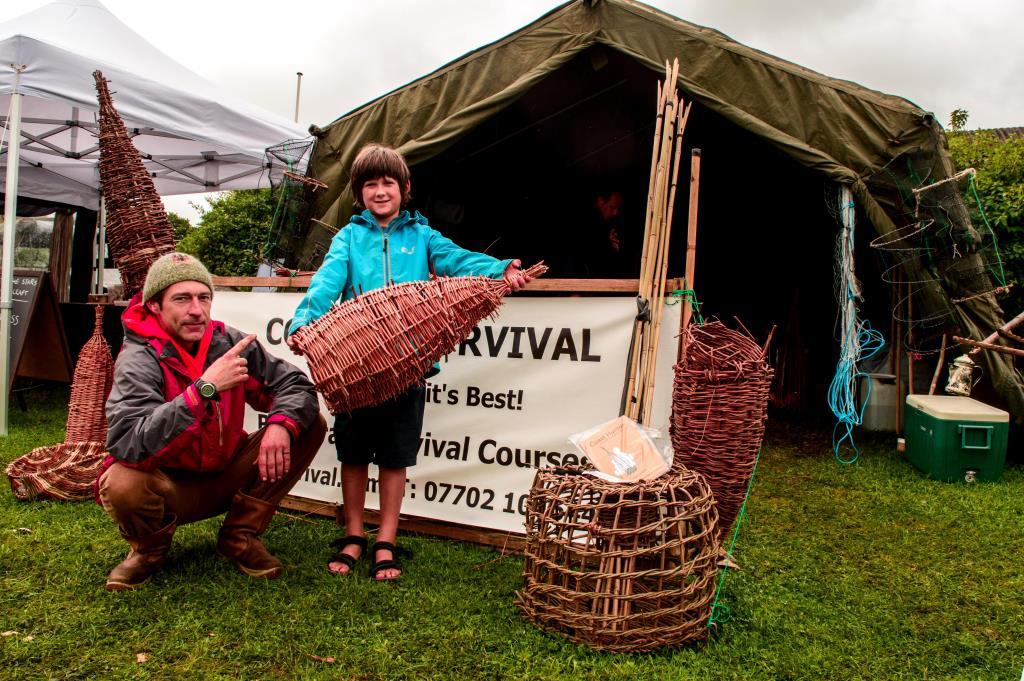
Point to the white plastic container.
(880, 412)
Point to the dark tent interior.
(524, 184)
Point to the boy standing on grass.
(380, 246)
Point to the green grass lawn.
(862, 571)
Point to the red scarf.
(138, 319)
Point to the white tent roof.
(193, 137)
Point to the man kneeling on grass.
(177, 449)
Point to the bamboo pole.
(938, 366)
(893, 303)
(651, 248)
(660, 299)
(981, 345)
(658, 246)
(1008, 335)
(910, 339)
(995, 334)
(672, 118)
(898, 350)
(691, 247)
(663, 119)
(638, 325)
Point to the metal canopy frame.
(176, 167)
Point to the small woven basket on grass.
(138, 231)
(623, 567)
(719, 410)
(67, 471)
(376, 346)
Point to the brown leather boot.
(239, 540)
(145, 558)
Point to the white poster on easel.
(504, 404)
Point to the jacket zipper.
(217, 410)
(387, 260)
(220, 426)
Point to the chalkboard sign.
(39, 348)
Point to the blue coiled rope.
(842, 397)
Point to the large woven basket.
(719, 410)
(67, 471)
(374, 347)
(138, 231)
(623, 567)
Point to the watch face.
(207, 389)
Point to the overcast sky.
(939, 54)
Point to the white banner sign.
(504, 404)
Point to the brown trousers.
(142, 502)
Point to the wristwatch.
(206, 389)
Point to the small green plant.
(958, 119)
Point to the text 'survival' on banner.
(505, 402)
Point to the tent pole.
(99, 251)
(10, 218)
(910, 339)
(691, 252)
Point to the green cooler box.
(955, 438)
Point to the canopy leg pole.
(10, 218)
(99, 249)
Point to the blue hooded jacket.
(364, 257)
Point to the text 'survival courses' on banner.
(505, 402)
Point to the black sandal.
(343, 558)
(388, 563)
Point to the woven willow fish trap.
(375, 346)
(138, 231)
(90, 386)
(623, 567)
(719, 410)
(67, 471)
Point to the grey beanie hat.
(170, 269)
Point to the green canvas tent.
(572, 95)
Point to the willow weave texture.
(375, 346)
(68, 470)
(622, 567)
(138, 231)
(719, 410)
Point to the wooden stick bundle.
(671, 122)
(981, 345)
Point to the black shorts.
(387, 434)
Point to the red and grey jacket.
(158, 420)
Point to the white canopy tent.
(191, 135)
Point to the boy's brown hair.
(373, 161)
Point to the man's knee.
(125, 491)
